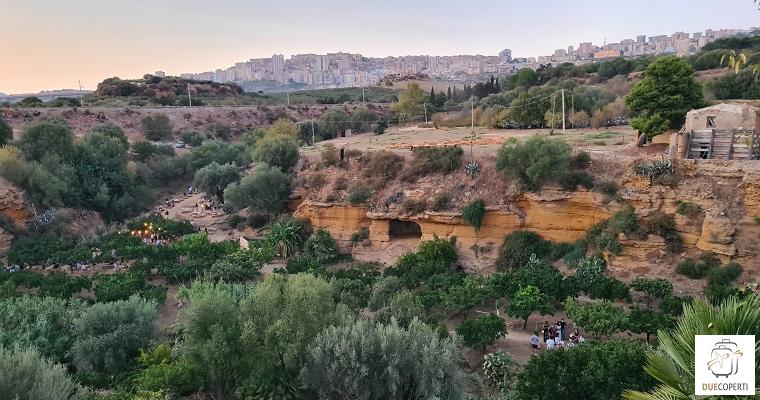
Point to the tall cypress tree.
(448, 95)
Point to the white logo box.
(724, 365)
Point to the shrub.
(110, 335)
(483, 331)
(329, 155)
(441, 202)
(571, 180)
(214, 178)
(156, 127)
(361, 235)
(236, 221)
(299, 264)
(607, 187)
(383, 291)
(518, 247)
(580, 160)
(384, 165)
(122, 286)
(264, 191)
(604, 236)
(193, 139)
(535, 162)
(669, 180)
(413, 206)
(280, 151)
(29, 376)
(431, 160)
(321, 246)
(162, 372)
(432, 257)
(689, 209)
(664, 226)
(219, 152)
(474, 213)
(358, 194)
(653, 169)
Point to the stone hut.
(726, 131)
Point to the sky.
(54, 44)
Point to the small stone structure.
(724, 131)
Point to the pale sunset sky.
(53, 44)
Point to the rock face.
(727, 192)
(13, 207)
(555, 215)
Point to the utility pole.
(189, 100)
(424, 105)
(563, 111)
(472, 104)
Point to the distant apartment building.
(604, 54)
(322, 63)
(641, 39)
(160, 74)
(278, 62)
(506, 55)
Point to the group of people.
(556, 336)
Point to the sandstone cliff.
(14, 208)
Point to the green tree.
(656, 288)
(45, 323)
(26, 375)
(280, 319)
(280, 151)
(648, 322)
(220, 152)
(212, 336)
(534, 162)
(156, 127)
(592, 370)
(599, 319)
(6, 133)
(362, 360)
(241, 265)
(109, 335)
(111, 131)
(47, 137)
(483, 331)
(461, 298)
(363, 119)
(410, 102)
(214, 178)
(404, 307)
(526, 301)
(667, 92)
(672, 364)
(284, 126)
(266, 190)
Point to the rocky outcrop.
(13, 209)
(556, 215)
(717, 234)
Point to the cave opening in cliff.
(404, 230)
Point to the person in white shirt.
(550, 343)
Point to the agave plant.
(738, 61)
(672, 365)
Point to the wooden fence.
(708, 144)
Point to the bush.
(193, 139)
(664, 225)
(384, 165)
(441, 202)
(535, 162)
(361, 235)
(474, 213)
(571, 180)
(518, 247)
(156, 127)
(669, 180)
(161, 372)
(321, 246)
(329, 155)
(110, 335)
(442, 160)
(358, 194)
(29, 376)
(413, 206)
(235, 221)
(219, 152)
(607, 187)
(280, 151)
(483, 331)
(653, 169)
(432, 257)
(266, 190)
(299, 264)
(214, 178)
(604, 236)
(580, 160)
(689, 209)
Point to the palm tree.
(673, 363)
(285, 237)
